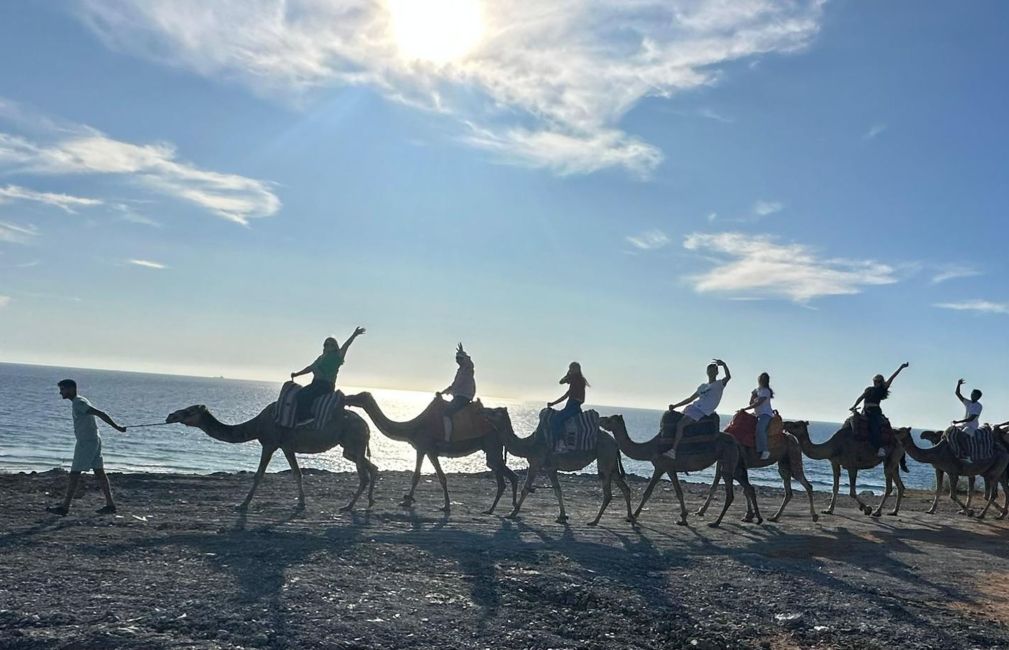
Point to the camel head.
(902, 433)
(613, 423)
(932, 436)
(190, 416)
(797, 427)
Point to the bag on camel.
(324, 408)
(743, 428)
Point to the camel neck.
(404, 431)
(234, 433)
(634, 450)
(818, 451)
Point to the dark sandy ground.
(179, 567)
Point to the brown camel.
(347, 429)
(723, 452)
(426, 434)
(942, 458)
(935, 437)
(788, 456)
(844, 450)
(535, 450)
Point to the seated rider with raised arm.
(575, 396)
(324, 370)
(969, 424)
(462, 388)
(702, 403)
(870, 399)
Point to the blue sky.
(813, 189)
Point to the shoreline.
(179, 566)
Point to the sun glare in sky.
(439, 31)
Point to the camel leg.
(837, 488)
(900, 490)
(526, 489)
(886, 493)
(296, 472)
(363, 478)
(939, 474)
(441, 479)
(497, 464)
(408, 497)
(264, 461)
(556, 482)
(954, 484)
(607, 481)
(729, 496)
(971, 485)
(626, 491)
(852, 480)
(656, 476)
(1004, 480)
(711, 496)
(786, 481)
(752, 509)
(679, 496)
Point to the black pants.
(308, 394)
(875, 427)
(457, 404)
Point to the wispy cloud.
(12, 233)
(649, 240)
(759, 266)
(712, 216)
(65, 202)
(874, 131)
(978, 306)
(954, 272)
(549, 82)
(77, 149)
(4, 301)
(148, 264)
(712, 114)
(764, 208)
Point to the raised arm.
(673, 407)
(728, 375)
(896, 372)
(358, 331)
(959, 395)
(104, 417)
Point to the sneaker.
(62, 511)
(106, 510)
(881, 453)
(765, 455)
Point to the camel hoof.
(633, 520)
(488, 512)
(874, 513)
(699, 513)
(242, 507)
(760, 522)
(892, 514)
(682, 522)
(774, 520)
(346, 508)
(970, 513)
(827, 512)
(562, 519)
(815, 519)
(713, 524)
(445, 509)
(513, 515)
(747, 518)
(593, 523)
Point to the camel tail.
(903, 465)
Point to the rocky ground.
(179, 567)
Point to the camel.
(844, 450)
(536, 452)
(426, 434)
(723, 452)
(789, 459)
(935, 437)
(943, 460)
(347, 429)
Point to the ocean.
(36, 432)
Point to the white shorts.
(88, 455)
(694, 413)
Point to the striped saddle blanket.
(324, 408)
(581, 431)
(979, 446)
(859, 424)
(697, 437)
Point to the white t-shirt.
(765, 407)
(85, 426)
(709, 396)
(973, 408)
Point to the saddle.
(697, 437)
(581, 432)
(743, 428)
(325, 408)
(464, 424)
(859, 426)
(979, 447)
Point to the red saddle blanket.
(861, 429)
(743, 428)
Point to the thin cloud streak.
(758, 266)
(12, 233)
(766, 208)
(65, 202)
(549, 83)
(977, 306)
(148, 264)
(954, 273)
(649, 241)
(874, 131)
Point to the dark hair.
(67, 383)
(330, 339)
(764, 374)
(973, 393)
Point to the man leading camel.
(462, 388)
(702, 403)
(88, 450)
(968, 425)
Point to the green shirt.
(327, 365)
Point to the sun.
(437, 31)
